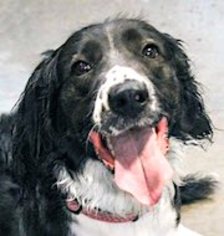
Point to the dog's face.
(122, 73)
(116, 92)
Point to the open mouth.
(137, 157)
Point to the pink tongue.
(140, 165)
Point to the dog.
(92, 147)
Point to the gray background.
(28, 28)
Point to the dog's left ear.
(192, 120)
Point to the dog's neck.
(98, 214)
(161, 220)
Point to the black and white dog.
(92, 146)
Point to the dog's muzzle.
(125, 93)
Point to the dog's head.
(108, 100)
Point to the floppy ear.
(33, 115)
(192, 121)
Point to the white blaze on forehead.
(118, 75)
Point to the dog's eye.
(150, 50)
(81, 67)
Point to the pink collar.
(108, 217)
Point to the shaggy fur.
(45, 156)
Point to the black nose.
(128, 99)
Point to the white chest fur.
(143, 227)
(157, 223)
(161, 222)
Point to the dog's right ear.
(34, 108)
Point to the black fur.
(197, 126)
(196, 188)
(53, 118)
